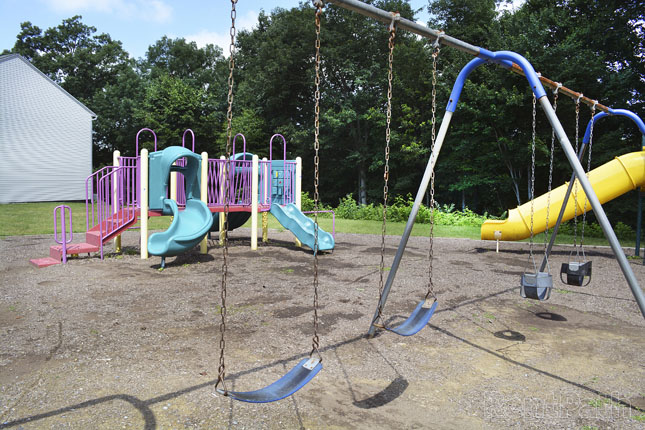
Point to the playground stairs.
(92, 244)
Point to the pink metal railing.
(289, 182)
(63, 240)
(264, 183)
(107, 209)
(239, 192)
(133, 163)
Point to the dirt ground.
(119, 344)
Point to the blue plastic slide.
(187, 229)
(189, 226)
(302, 227)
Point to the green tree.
(186, 87)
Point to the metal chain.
(315, 341)
(548, 196)
(584, 213)
(386, 172)
(532, 184)
(229, 116)
(435, 53)
(575, 183)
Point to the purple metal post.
(284, 160)
(137, 139)
(64, 209)
(183, 143)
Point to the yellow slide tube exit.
(609, 181)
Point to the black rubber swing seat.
(576, 273)
(417, 319)
(291, 382)
(536, 286)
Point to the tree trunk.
(362, 185)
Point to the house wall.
(45, 138)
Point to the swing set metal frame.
(518, 64)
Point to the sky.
(140, 23)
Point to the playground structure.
(180, 183)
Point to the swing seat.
(294, 380)
(536, 286)
(417, 320)
(576, 273)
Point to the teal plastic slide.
(188, 226)
(302, 226)
(187, 229)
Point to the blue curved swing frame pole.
(509, 60)
(585, 141)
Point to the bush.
(307, 203)
(400, 209)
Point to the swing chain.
(532, 195)
(229, 116)
(575, 183)
(584, 213)
(548, 197)
(386, 172)
(436, 49)
(315, 341)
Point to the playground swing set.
(534, 284)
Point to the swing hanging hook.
(396, 17)
(593, 107)
(557, 88)
(580, 96)
(436, 46)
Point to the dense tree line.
(595, 47)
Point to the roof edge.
(8, 57)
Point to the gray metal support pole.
(413, 215)
(556, 227)
(639, 216)
(595, 204)
(405, 24)
(639, 220)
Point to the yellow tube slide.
(609, 181)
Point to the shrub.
(400, 209)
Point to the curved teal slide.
(189, 226)
(187, 229)
(302, 226)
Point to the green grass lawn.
(396, 229)
(19, 219)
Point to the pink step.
(44, 262)
(56, 251)
(93, 237)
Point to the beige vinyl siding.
(45, 137)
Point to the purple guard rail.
(108, 214)
(288, 171)
(239, 180)
(239, 176)
(333, 219)
(264, 192)
(181, 189)
(63, 241)
(136, 148)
